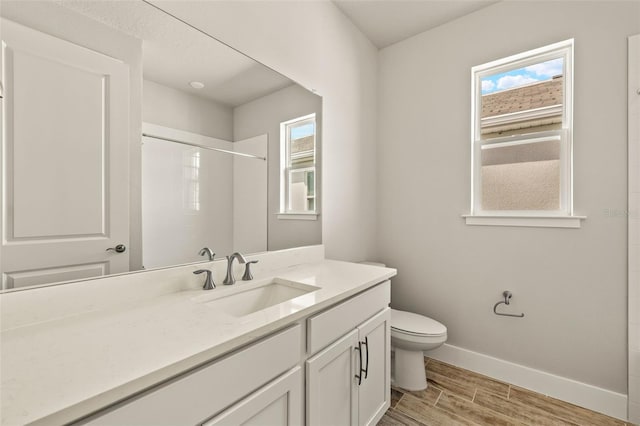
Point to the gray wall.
(262, 116)
(173, 108)
(571, 283)
(314, 44)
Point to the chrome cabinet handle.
(120, 248)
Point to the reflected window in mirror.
(298, 167)
(192, 180)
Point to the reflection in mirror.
(298, 144)
(190, 194)
(83, 81)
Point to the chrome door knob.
(120, 248)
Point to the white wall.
(314, 44)
(571, 283)
(166, 106)
(250, 195)
(264, 115)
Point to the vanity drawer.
(200, 394)
(328, 326)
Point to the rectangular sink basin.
(254, 299)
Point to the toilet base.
(409, 370)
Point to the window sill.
(530, 221)
(298, 216)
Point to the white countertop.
(59, 370)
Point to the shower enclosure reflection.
(192, 194)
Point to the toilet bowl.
(411, 334)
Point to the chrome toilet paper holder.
(507, 297)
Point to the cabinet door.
(374, 392)
(332, 394)
(279, 403)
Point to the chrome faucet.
(230, 279)
(207, 251)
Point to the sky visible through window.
(302, 131)
(522, 76)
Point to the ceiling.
(175, 54)
(386, 22)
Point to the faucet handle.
(248, 276)
(208, 282)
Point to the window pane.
(301, 144)
(524, 176)
(298, 185)
(191, 172)
(301, 190)
(523, 100)
(302, 130)
(302, 148)
(310, 183)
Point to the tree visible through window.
(298, 165)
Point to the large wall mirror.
(131, 141)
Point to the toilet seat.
(410, 324)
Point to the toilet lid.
(410, 323)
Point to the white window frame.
(564, 216)
(285, 172)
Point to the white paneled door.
(64, 160)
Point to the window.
(298, 168)
(521, 137)
(191, 173)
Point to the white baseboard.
(584, 395)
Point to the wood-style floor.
(456, 396)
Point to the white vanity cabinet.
(195, 397)
(342, 380)
(347, 383)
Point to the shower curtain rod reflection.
(147, 135)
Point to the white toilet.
(410, 335)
